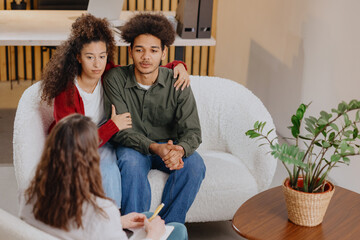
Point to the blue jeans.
(180, 189)
(111, 179)
(179, 232)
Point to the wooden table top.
(264, 216)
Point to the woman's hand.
(184, 78)
(122, 121)
(133, 220)
(155, 229)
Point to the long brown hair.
(63, 67)
(68, 173)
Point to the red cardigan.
(64, 107)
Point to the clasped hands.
(171, 154)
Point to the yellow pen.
(158, 209)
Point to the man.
(165, 125)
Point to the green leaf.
(331, 137)
(343, 147)
(256, 125)
(322, 121)
(300, 111)
(353, 104)
(295, 131)
(335, 157)
(348, 133)
(355, 133)
(346, 160)
(334, 126)
(325, 115)
(252, 134)
(262, 126)
(317, 144)
(325, 144)
(357, 118)
(342, 107)
(288, 154)
(335, 111)
(306, 137)
(346, 120)
(269, 132)
(310, 128)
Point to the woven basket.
(307, 209)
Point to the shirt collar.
(131, 81)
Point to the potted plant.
(329, 140)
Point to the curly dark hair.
(63, 67)
(68, 174)
(148, 23)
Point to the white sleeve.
(110, 227)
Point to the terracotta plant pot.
(307, 209)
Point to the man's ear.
(164, 53)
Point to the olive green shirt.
(158, 114)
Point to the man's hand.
(173, 160)
(184, 78)
(171, 154)
(163, 149)
(133, 220)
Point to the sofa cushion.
(227, 184)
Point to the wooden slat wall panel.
(28, 63)
(200, 60)
(11, 59)
(37, 62)
(188, 58)
(20, 63)
(196, 61)
(3, 63)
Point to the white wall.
(293, 51)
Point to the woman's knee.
(179, 232)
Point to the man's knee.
(195, 165)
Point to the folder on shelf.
(204, 19)
(187, 17)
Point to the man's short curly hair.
(148, 23)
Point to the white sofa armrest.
(227, 110)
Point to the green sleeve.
(113, 94)
(189, 130)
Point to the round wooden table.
(264, 216)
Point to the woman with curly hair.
(66, 199)
(72, 81)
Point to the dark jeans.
(180, 189)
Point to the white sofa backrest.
(32, 120)
(13, 228)
(226, 111)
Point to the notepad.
(140, 233)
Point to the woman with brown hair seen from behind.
(72, 82)
(66, 199)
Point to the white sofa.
(236, 168)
